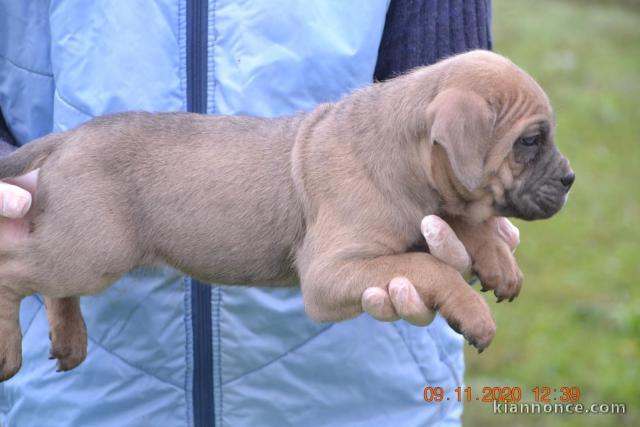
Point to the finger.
(444, 244)
(508, 232)
(376, 302)
(14, 201)
(13, 230)
(27, 181)
(407, 302)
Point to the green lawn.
(577, 321)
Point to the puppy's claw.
(61, 367)
(499, 300)
(511, 299)
(69, 344)
(481, 341)
(10, 353)
(67, 360)
(479, 346)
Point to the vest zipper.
(196, 41)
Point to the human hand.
(490, 245)
(401, 299)
(16, 195)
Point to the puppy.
(332, 199)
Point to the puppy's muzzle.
(541, 193)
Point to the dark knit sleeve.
(7, 143)
(421, 32)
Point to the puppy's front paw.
(469, 315)
(478, 326)
(10, 352)
(68, 343)
(497, 269)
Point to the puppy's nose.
(568, 179)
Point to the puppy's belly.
(234, 265)
(227, 236)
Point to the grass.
(577, 321)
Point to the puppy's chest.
(406, 237)
(400, 219)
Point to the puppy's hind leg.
(10, 334)
(16, 282)
(67, 332)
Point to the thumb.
(508, 232)
(15, 201)
(444, 244)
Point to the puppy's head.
(492, 136)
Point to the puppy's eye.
(530, 141)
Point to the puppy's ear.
(462, 123)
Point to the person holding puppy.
(166, 350)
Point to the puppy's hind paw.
(69, 345)
(10, 354)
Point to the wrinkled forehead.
(519, 95)
(503, 84)
(513, 95)
(521, 102)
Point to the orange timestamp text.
(504, 394)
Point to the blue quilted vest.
(164, 350)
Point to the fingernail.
(431, 230)
(514, 229)
(508, 231)
(375, 302)
(402, 292)
(14, 206)
(502, 229)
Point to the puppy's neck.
(455, 200)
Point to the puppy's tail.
(28, 157)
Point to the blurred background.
(577, 320)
